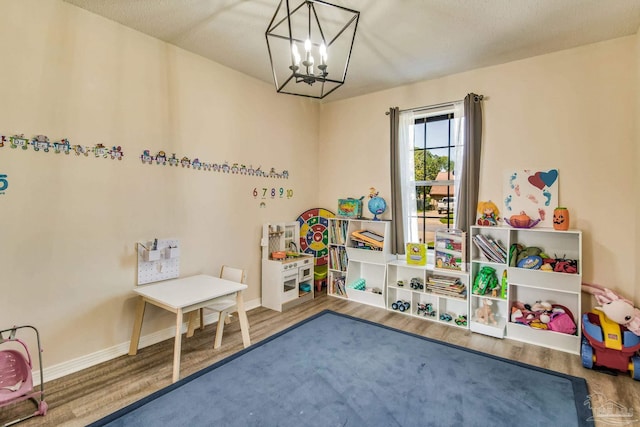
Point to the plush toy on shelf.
(615, 307)
(489, 213)
(484, 313)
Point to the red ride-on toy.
(607, 344)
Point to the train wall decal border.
(196, 164)
(42, 142)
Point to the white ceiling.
(397, 42)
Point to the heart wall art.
(534, 191)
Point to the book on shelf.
(448, 286)
(338, 231)
(337, 258)
(490, 248)
(374, 240)
(360, 244)
(416, 253)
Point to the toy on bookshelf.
(426, 309)
(489, 213)
(416, 283)
(401, 305)
(534, 258)
(486, 282)
(359, 285)
(484, 313)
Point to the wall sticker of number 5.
(4, 183)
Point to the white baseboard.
(74, 365)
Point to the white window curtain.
(408, 174)
(458, 140)
(405, 154)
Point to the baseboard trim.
(75, 365)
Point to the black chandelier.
(310, 47)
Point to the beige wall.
(572, 110)
(70, 224)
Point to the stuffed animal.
(484, 313)
(615, 307)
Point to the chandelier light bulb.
(307, 45)
(323, 54)
(296, 54)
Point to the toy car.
(400, 305)
(446, 317)
(416, 283)
(607, 344)
(461, 320)
(426, 309)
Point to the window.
(433, 162)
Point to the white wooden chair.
(224, 305)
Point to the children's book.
(416, 254)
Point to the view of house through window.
(434, 155)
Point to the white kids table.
(184, 295)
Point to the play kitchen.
(287, 274)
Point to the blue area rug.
(336, 370)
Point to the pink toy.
(16, 381)
(615, 307)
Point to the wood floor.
(86, 396)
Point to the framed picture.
(533, 191)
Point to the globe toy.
(376, 204)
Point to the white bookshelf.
(529, 286)
(362, 263)
(440, 304)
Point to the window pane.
(418, 136)
(437, 134)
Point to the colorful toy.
(461, 320)
(544, 315)
(505, 284)
(426, 309)
(446, 317)
(376, 204)
(489, 213)
(607, 344)
(561, 218)
(615, 307)
(485, 281)
(521, 220)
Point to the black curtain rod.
(433, 107)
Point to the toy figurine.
(489, 213)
